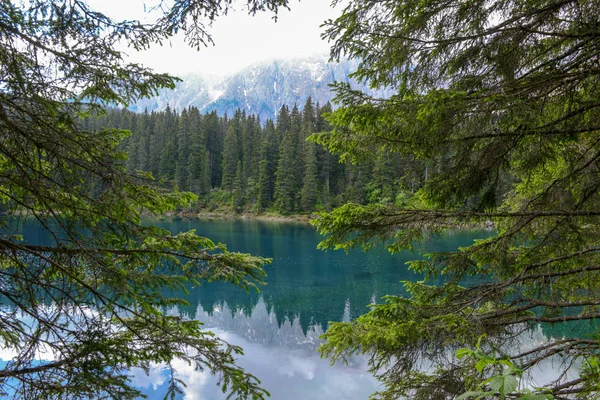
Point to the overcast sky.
(240, 40)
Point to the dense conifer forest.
(241, 164)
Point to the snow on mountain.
(259, 89)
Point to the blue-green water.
(279, 327)
(306, 288)
(313, 285)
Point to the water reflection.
(302, 281)
(279, 328)
(281, 354)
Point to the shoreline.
(190, 215)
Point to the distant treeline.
(239, 162)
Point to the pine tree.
(157, 143)
(269, 154)
(213, 134)
(143, 130)
(297, 153)
(168, 160)
(93, 297)
(143, 163)
(205, 177)
(183, 150)
(310, 178)
(285, 176)
(309, 118)
(310, 186)
(239, 194)
(133, 153)
(507, 95)
(330, 170)
(383, 177)
(230, 158)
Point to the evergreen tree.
(230, 158)
(285, 177)
(310, 179)
(133, 153)
(213, 134)
(383, 177)
(198, 171)
(143, 130)
(168, 160)
(283, 120)
(269, 154)
(330, 169)
(106, 275)
(507, 94)
(157, 143)
(297, 153)
(205, 178)
(325, 197)
(310, 186)
(238, 187)
(249, 146)
(183, 150)
(309, 118)
(143, 163)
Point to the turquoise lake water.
(279, 327)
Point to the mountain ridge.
(260, 89)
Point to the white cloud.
(240, 39)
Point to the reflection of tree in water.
(261, 324)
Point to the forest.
(494, 117)
(239, 164)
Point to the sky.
(240, 39)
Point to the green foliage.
(504, 379)
(172, 144)
(93, 296)
(497, 104)
(286, 185)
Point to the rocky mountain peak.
(259, 89)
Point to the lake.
(279, 327)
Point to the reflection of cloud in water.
(286, 374)
(282, 356)
(154, 378)
(545, 371)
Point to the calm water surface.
(279, 327)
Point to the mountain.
(260, 89)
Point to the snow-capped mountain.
(260, 89)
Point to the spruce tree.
(183, 150)
(168, 160)
(230, 158)
(214, 137)
(310, 186)
(297, 153)
(507, 95)
(143, 130)
(104, 274)
(269, 156)
(310, 179)
(133, 153)
(239, 189)
(384, 176)
(285, 176)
